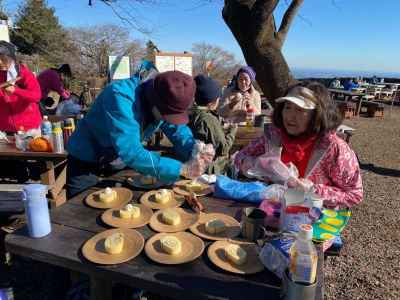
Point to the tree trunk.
(253, 25)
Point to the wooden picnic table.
(349, 95)
(245, 135)
(57, 193)
(74, 223)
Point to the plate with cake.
(185, 187)
(173, 220)
(109, 197)
(146, 182)
(131, 215)
(161, 199)
(113, 246)
(174, 248)
(236, 257)
(216, 226)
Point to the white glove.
(302, 184)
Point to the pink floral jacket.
(333, 167)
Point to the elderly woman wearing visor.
(304, 134)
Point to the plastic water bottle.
(303, 257)
(45, 127)
(20, 139)
(37, 210)
(57, 138)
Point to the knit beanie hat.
(172, 92)
(207, 90)
(249, 71)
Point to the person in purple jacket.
(54, 79)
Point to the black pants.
(81, 175)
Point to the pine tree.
(39, 32)
(3, 13)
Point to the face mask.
(12, 72)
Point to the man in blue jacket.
(124, 116)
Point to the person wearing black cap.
(126, 114)
(54, 79)
(206, 126)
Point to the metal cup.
(252, 223)
(297, 291)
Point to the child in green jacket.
(206, 125)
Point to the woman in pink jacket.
(19, 100)
(304, 134)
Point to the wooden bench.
(346, 108)
(374, 109)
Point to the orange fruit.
(40, 144)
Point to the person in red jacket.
(19, 100)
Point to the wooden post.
(57, 194)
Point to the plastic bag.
(227, 188)
(271, 168)
(272, 205)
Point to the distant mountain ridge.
(300, 73)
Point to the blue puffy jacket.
(114, 128)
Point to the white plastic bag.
(271, 168)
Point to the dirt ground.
(369, 264)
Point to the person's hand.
(240, 115)
(302, 184)
(232, 128)
(246, 96)
(10, 89)
(207, 154)
(235, 101)
(193, 168)
(246, 164)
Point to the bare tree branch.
(287, 20)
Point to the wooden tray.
(94, 250)
(124, 195)
(192, 248)
(232, 227)
(111, 217)
(180, 188)
(148, 199)
(251, 266)
(188, 218)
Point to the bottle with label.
(45, 128)
(303, 257)
(68, 128)
(57, 138)
(20, 141)
(250, 115)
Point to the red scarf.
(297, 150)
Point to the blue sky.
(346, 35)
